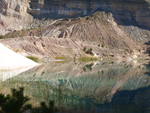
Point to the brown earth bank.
(115, 31)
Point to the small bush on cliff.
(84, 69)
(102, 72)
(98, 45)
(84, 49)
(90, 49)
(102, 45)
(1, 37)
(87, 18)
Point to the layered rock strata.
(115, 24)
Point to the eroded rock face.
(13, 15)
(118, 24)
(127, 13)
(133, 15)
(17, 5)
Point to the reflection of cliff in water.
(83, 86)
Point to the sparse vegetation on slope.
(61, 58)
(35, 59)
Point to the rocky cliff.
(117, 24)
(126, 12)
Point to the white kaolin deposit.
(9, 60)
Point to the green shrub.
(102, 72)
(1, 37)
(90, 49)
(84, 69)
(61, 58)
(98, 45)
(13, 103)
(84, 49)
(35, 59)
(102, 45)
(16, 102)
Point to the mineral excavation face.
(125, 12)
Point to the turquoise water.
(85, 87)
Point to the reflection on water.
(82, 87)
(4, 75)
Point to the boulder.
(18, 8)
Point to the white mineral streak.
(4, 75)
(9, 60)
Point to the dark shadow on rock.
(128, 101)
(147, 43)
(147, 48)
(147, 73)
(125, 16)
(123, 11)
(148, 68)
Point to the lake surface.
(81, 87)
